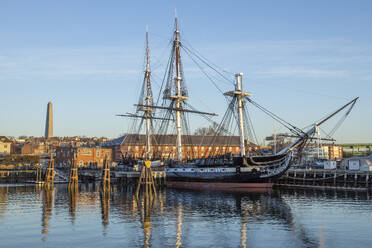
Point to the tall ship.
(166, 118)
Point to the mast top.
(147, 50)
(238, 88)
(176, 21)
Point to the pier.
(326, 179)
(293, 178)
(17, 176)
(124, 178)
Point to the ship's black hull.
(240, 176)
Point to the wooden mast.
(148, 100)
(239, 87)
(178, 96)
(146, 177)
(238, 95)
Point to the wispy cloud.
(302, 72)
(301, 58)
(65, 62)
(295, 58)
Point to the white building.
(357, 163)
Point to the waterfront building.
(5, 145)
(356, 149)
(357, 163)
(334, 152)
(42, 145)
(195, 146)
(314, 152)
(86, 156)
(33, 148)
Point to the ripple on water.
(284, 218)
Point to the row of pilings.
(316, 178)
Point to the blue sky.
(300, 59)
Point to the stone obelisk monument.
(49, 121)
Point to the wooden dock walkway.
(326, 179)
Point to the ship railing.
(275, 170)
(271, 162)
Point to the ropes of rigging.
(203, 71)
(206, 62)
(288, 125)
(196, 54)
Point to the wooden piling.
(73, 178)
(146, 179)
(106, 178)
(49, 175)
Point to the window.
(86, 152)
(98, 153)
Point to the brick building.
(86, 156)
(164, 146)
(33, 149)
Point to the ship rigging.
(242, 170)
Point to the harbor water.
(33, 216)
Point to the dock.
(326, 179)
(121, 177)
(293, 178)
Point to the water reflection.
(250, 207)
(145, 203)
(105, 194)
(3, 201)
(73, 197)
(48, 196)
(179, 226)
(182, 218)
